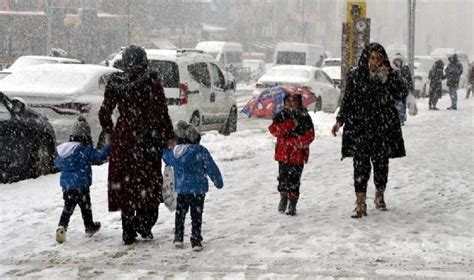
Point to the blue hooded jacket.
(75, 159)
(192, 164)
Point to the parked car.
(31, 60)
(332, 67)
(303, 76)
(256, 66)
(197, 89)
(61, 92)
(27, 141)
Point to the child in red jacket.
(294, 130)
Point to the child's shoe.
(197, 246)
(178, 242)
(61, 234)
(93, 229)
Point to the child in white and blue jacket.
(192, 163)
(74, 159)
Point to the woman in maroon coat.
(294, 130)
(135, 179)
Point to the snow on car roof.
(54, 79)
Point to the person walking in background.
(453, 73)
(294, 131)
(471, 81)
(400, 65)
(74, 160)
(142, 131)
(435, 76)
(192, 163)
(372, 131)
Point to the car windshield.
(292, 58)
(297, 73)
(30, 61)
(213, 54)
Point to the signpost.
(355, 35)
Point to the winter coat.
(453, 73)
(74, 160)
(405, 72)
(435, 76)
(134, 182)
(371, 121)
(192, 164)
(471, 74)
(295, 133)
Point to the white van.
(227, 53)
(197, 89)
(291, 53)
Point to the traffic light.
(355, 10)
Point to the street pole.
(49, 27)
(411, 34)
(128, 22)
(303, 31)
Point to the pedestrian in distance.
(294, 131)
(399, 64)
(471, 81)
(453, 74)
(371, 125)
(436, 76)
(74, 160)
(141, 133)
(192, 164)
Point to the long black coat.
(371, 121)
(436, 75)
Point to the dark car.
(27, 142)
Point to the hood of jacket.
(67, 149)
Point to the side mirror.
(19, 105)
(229, 85)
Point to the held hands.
(335, 129)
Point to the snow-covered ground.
(428, 231)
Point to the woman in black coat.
(372, 131)
(436, 75)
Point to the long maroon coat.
(133, 182)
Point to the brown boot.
(361, 207)
(379, 201)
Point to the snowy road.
(428, 231)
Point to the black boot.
(92, 229)
(291, 208)
(283, 202)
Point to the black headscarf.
(363, 64)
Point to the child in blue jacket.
(192, 163)
(74, 159)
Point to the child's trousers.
(183, 203)
(73, 197)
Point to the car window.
(200, 73)
(218, 79)
(4, 113)
(167, 71)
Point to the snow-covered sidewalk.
(428, 231)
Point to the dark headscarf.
(363, 64)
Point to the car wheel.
(44, 158)
(196, 120)
(230, 124)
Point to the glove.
(282, 116)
